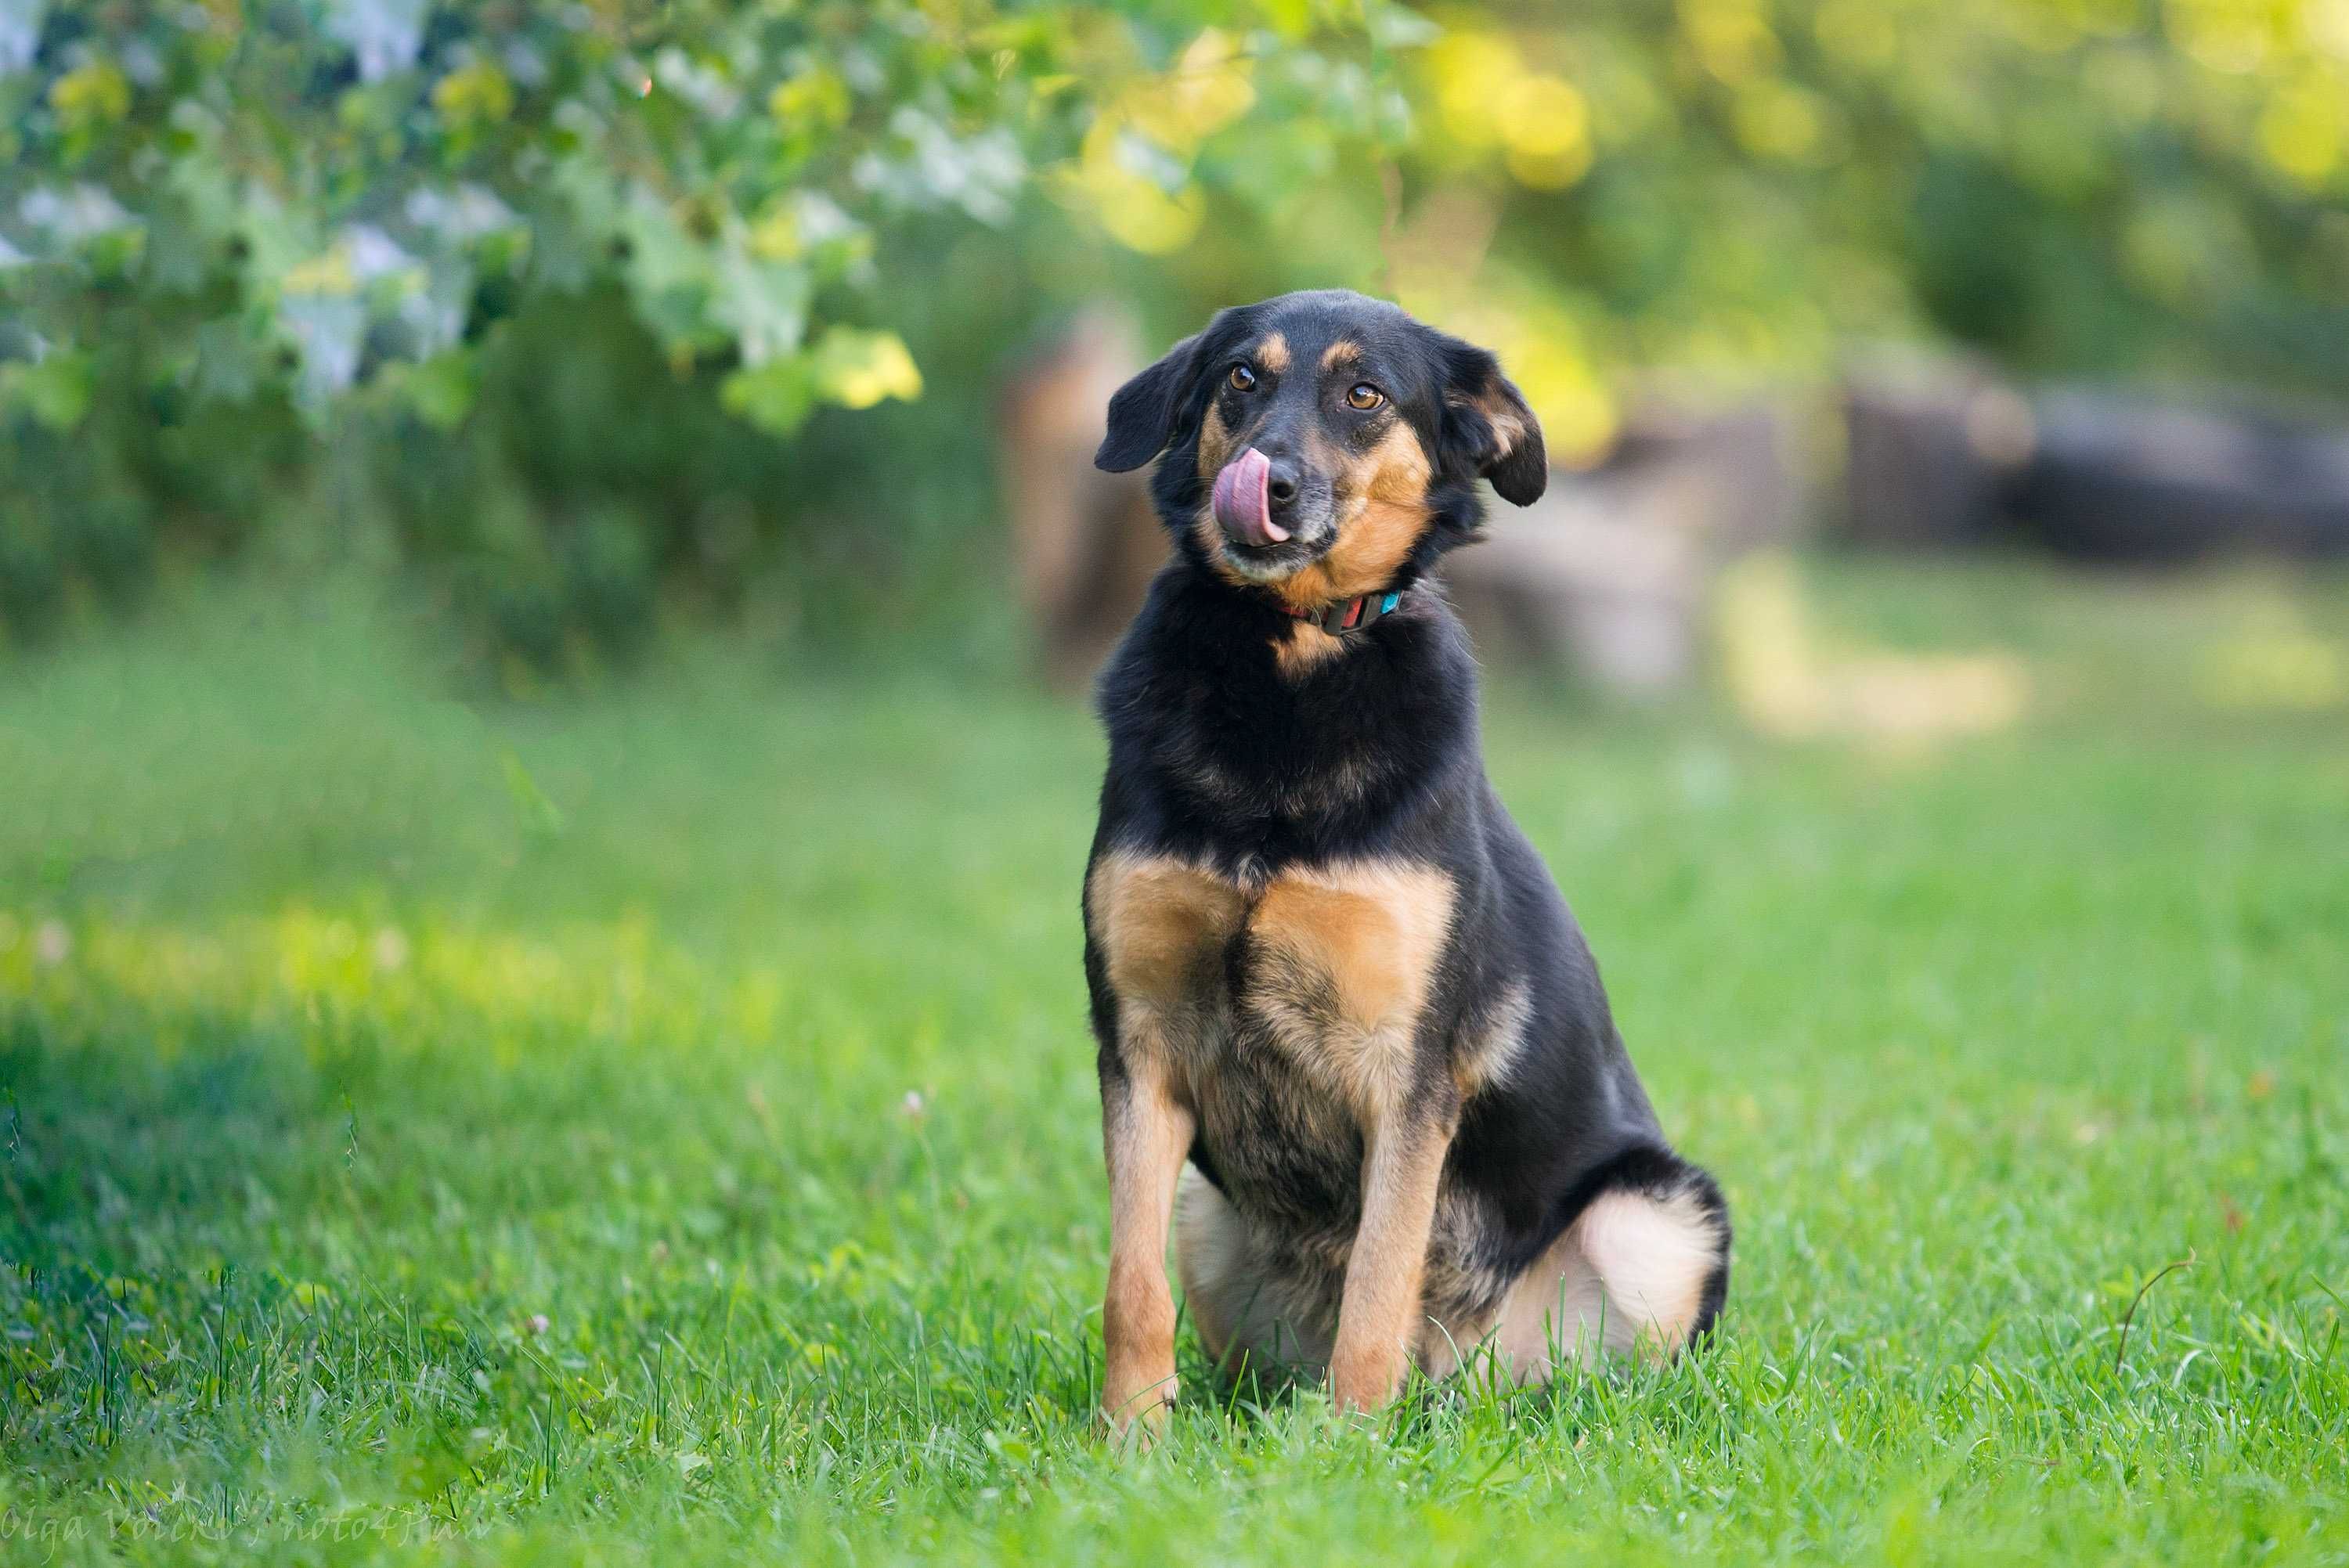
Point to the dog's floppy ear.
(1488, 426)
(1143, 413)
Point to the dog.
(1354, 1052)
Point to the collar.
(1347, 615)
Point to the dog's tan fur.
(1161, 921)
(1301, 647)
(1487, 1056)
(1215, 447)
(1352, 946)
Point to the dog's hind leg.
(1245, 1319)
(1644, 1267)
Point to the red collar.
(1347, 615)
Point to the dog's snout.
(1280, 485)
(1271, 494)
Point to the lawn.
(656, 1124)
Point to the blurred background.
(579, 327)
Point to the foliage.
(319, 193)
(270, 206)
(485, 1136)
(234, 232)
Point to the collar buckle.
(1348, 615)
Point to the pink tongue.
(1243, 502)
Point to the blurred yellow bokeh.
(2303, 127)
(1131, 173)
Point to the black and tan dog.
(1327, 971)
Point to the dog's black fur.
(1231, 753)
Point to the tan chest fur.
(1329, 965)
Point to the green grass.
(483, 1133)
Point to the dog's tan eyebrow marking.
(1345, 351)
(1273, 353)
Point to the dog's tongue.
(1243, 502)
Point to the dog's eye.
(1363, 396)
(1243, 378)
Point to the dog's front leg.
(1146, 1135)
(1379, 1317)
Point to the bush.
(577, 274)
(566, 274)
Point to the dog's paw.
(1132, 1422)
(1362, 1380)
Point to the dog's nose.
(1280, 486)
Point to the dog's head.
(1324, 444)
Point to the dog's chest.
(1285, 1010)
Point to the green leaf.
(848, 365)
(668, 272)
(1396, 26)
(56, 390)
(763, 303)
(776, 396)
(856, 368)
(442, 389)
